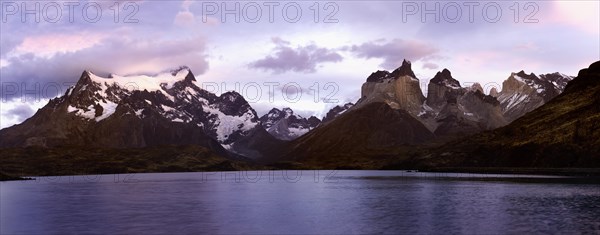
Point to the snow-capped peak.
(284, 124)
(173, 95)
(530, 80)
(97, 97)
(142, 82)
(523, 92)
(276, 114)
(288, 112)
(557, 79)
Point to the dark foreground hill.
(361, 138)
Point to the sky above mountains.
(309, 60)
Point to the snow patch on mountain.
(108, 108)
(141, 82)
(227, 124)
(522, 93)
(88, 112)
(285, 125)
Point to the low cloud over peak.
(121, 55)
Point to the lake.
(258, 202)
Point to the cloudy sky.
(309, 55)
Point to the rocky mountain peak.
(86, 91)
(288, 112)
(233, 104)
(524, 75)
(190, 77)
(400, 90)
(523, 92)
(476, 86)
(517, 82)
(85, 78)
(180, 69)
(232, 96)
(285, 125)
(445, 78)
(446, 72)
(336, 111)
(494, 92)
(383, 75)
(272, 117)
(559, 80)
(443, 88)
(378, 76)
(274, 111)
(404, 70)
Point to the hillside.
(359, 137)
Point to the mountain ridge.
(137, 111)
(286, 125)
(170, 108)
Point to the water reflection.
(300, 202)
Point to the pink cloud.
(430, 65)
(184, 18)
(583, 15)
(51, 44)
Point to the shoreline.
(580, 172)
(5, 177)
(570, 172)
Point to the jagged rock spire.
(404, 70)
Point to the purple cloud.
(430, 65)
(300, 59)
(20, 112)
(119, 55)
(395, 51)
(279, 41)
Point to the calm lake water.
(346, 202)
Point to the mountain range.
(393, 119)
(564, 132)
(522, 93)
(285, 125)
(138, 111)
